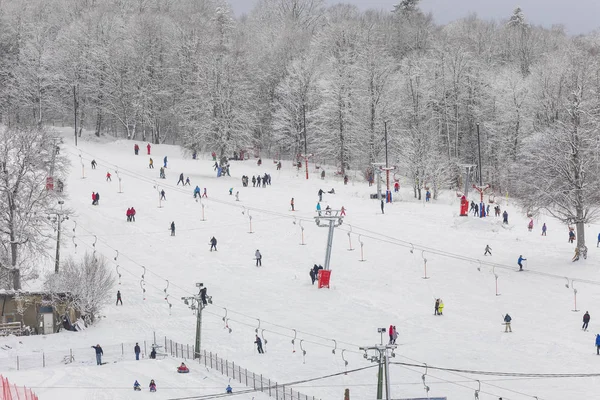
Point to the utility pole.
(479, 151)
(382, 357)
(197, 304)
(60, 216)
(388, 193)
(306, 157)
(75, 106)
(304, 126)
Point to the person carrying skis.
(119, 298)
(520, 262)
(151, 163)
(173, 228)
(258, 257)
(544, 228)
(152, 385)
(108, 176)
(292, 204)
(181, 180)
(488, 250)
(213, 243)
(94, 164)
(507, 320)
(99, 354)
(136, 386)
(137, 351)
(586, 321)
(259, 344)
(505, 217)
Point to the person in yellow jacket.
(441, 308)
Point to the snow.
(387, 288)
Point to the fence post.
(122, 349)
(17, 363)
(269, 388)
(44, 360)
(166, 344)
(233, 369)
(70, 356)
(261, 383)
(246, 371)
(254, 380)
(240, 373)
(205, 358)
(276, 392)
(221, 366)
(145, 348)
(211, 360)
(187, 350)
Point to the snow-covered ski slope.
(387, 288)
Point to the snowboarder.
(213, 243)
(530, 225)
(94, 164)
(162, 195)
(99, 354)
(441, 307)
(165, 161)
(259, 343)
(505, 217)
(586, 321)
(319, 208)
(151, 163)
(228, 389)
(148, 147)
(119, 298)
(292, 204)
(382, 205)
(391, 334)
(520, 262)
(196, 191)
(507, 320)
(173, 228)
(437, 306)
(237, 196)
(181, 180)
(137, 351)
(320, 193)
(544, 229)
(258, 257)
(204, 193)
(488, 250)
(187, 181)
(136, 149)
(137, 386)
(152, 385)
(108, 177)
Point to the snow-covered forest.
(296, 73)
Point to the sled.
(137, 389)
(183, 372)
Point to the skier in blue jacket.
(598, 344)
(319, 208)
(521, 259)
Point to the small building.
(35, 312)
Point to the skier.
(586, 321)
(258, 257)
(571, 235)
(520, 261)
(505, 217)
(316, 270)
(152, 385)
(598, 344)
(259, 344)
(151, 163)
(230, 191)
(228, 389)
(254, 184)
(279, 166)
(382, 205)
(194, 155)
(437, 306)
(259, 162)
(132, 214)
(173, 228)
(391, 334)
(258, 180)
(162, 195)
(137, 386)
(427, 196)
(165, 161)
(345, 179)
(196, 191)
(148, 147)
(181, 180)
(108, 177)
(99, 354)
(322, 174)
(441, 307)
(94, 164)
(119, 298)
(507, 320)
(597, 244)
(487, 210)
(320, 193)
(530, 225)
(488, 249)
(162, 173)
(544, 229)
(97, 198)
(396, 187)
(319, 208)
(204, 193)
(93, 198)
(313, 278)
(395, 335)
(327, 210)
(292, 204)
(343, 211)
(136, 149)
(187, 181)
(137, 351)
(213, 243)
(214, 156)
(237, 196)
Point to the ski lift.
(492, 198)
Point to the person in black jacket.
(259, 345)
(320, 193)
(137, 351)
(99, 354)
(173, 228)
(213, 243)
(507, 320)
(119, 298)
(312, 275)
(586, 321)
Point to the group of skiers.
(439, 307)
(314, 272)
(136, 148)
(183, 183)
(95, 198)
(197, 192)
(257, 180)
(393, 333)
(131, 214)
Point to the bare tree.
(87, 283)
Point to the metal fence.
(14, 392)
(86, 355)
(236, 372)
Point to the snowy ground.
(387, 288)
